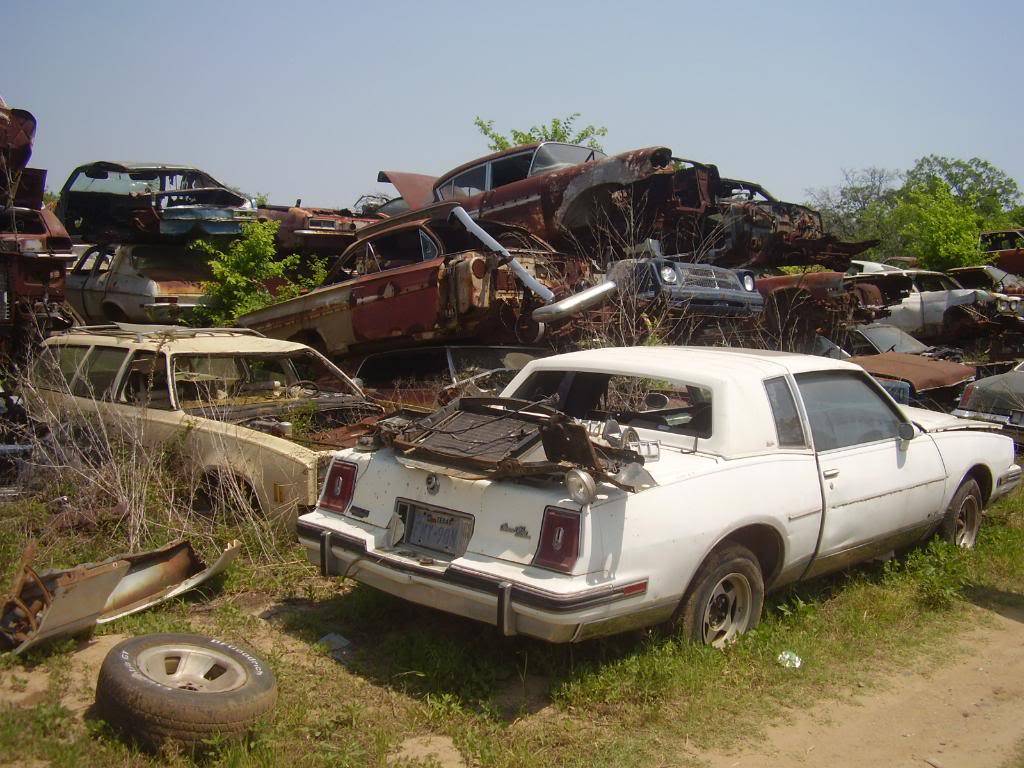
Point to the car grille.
(700, 276)
(323, 224)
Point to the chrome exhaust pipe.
(542, 292)
(578, 302)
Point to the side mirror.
(906, 431)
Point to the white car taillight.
(339, 487)
(559, 546)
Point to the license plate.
(1017, 418)
(435, 529)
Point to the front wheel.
(962, 522)
(725, 598)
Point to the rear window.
(668, 406)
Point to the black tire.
(131, 697)
(730, 563)
(962, 522)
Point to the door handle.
(828, 474)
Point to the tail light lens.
(339, 487)
(559, 547)
(965, 398)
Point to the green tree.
(559, 129)
(248, 275)
(975, 182)
(936, 227)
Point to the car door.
(880, 491)
(402, 297)
(94, 288)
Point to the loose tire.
(963, 516)
(725, 598)
(187, 689)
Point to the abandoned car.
(1005, 248)
(308, 231)
(34, 246)
(931, 306)
(988, 277)
(893, 358)
(577, 196)
(422, 277)
(138, 283)
(998, 399)
(259, 414)
(618, 488)
(430, 376)
(108, 202)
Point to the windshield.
(554, 157)
(471, 361)
(246, 379)
(889, 338)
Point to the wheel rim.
(192, 668)
(968, 520)
(727, 612)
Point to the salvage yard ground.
(913, 662)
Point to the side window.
(446, 192)
(845, 410)
(55, 366)
(471, 182)
(98, 372)
(787, 420)
(427, 247)
(145, 382)
(510, 169)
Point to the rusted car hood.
(416, 188)
(921, 373)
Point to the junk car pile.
(483, 474)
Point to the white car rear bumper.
(513, 606)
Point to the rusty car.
(34, 246)
(113, 202)
(255, 414)
(425, 276)
(988, 277)
(1005, 249)
(575, 196)
(312, 231)
(138, 283)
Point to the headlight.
(668, 275)
(748, 282)
(1002, 305)
(581, 486)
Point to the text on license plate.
(435, 529)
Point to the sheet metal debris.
(56, 603)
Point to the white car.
(138, 283)
(618, 488)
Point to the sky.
(310, 100)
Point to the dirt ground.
(968, 713)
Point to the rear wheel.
(725, 598)
(962, 522)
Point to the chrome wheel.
(727, 613)
(967, 523)
(192, 668)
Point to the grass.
(639, 699)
